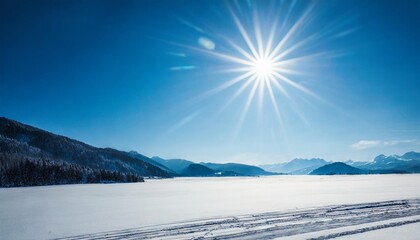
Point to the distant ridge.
(151, 161)
(297, 166)
(381, 164)
(407, 163)
(176, 165)
(198, 170)
(219, 169)
(239, 169)
(337, 168)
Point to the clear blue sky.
(132, 74)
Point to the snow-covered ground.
(404, 232)
(62, 211)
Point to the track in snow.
(277, 224)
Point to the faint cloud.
(407, 130)
(393, 143)
(365, 144)
(190, 67)
(206, 43)
(177, 54)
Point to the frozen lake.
(60, 211)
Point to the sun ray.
(233, 70)
(274, 102)
(227, 84)
(262, 84)
(249, 100)
(298, 86)
(294, 107)
(288, 71)
(271, 38)
(243, 33)
(240, 50)
(246, 107)
(237, 93)
(295, 46)
(290, 33)
(215, 54)
(290, 100)
(280, 87)
(258, 35)
(296, 60)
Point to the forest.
(43, 172)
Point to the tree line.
(42, 172)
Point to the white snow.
(405, 232)
(59, 211)
(370, 234)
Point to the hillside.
(239, 169)
(198, 170)
(19, 142)
(176, 165)
(152, 161)
(337, 168)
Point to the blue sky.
(133, 75)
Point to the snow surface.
(393, 228)
(322, 223)
(405, 232)
(60, 211)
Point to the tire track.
(273, 224)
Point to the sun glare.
(266, 57)
(263, 68)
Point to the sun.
(263, 68)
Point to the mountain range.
(219, 169)
(20, 143)
(297, 166)
(22, 146)
(406, 163)
(176, 165)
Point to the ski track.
(276, 224)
